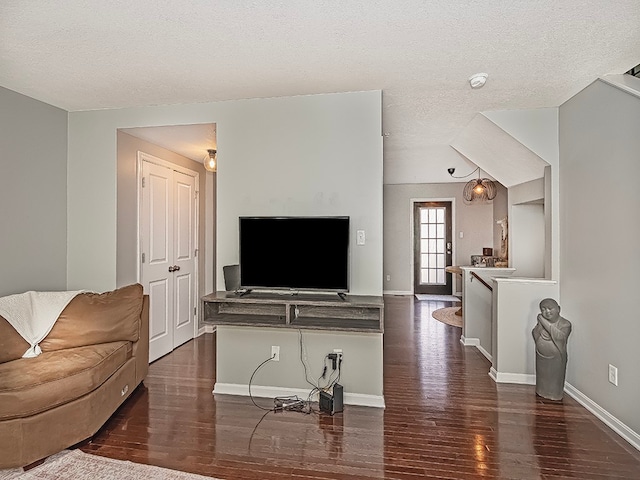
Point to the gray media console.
(313, 311)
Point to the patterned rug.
(448, 316)
(77, 465)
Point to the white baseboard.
(206, 329)
(485, 353)
(396, 292)
(612, 422)
(469, 341)
(262, 391)
(519, 378)
(475, 342)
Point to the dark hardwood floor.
(445, 418)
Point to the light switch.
(461, 234)
(360, 237)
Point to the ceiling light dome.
(478, 80)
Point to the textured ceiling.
(81, 55)
(191, 141)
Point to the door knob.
(171, 269)
(174, 268)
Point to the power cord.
(452, 170)
(289, 403)
(251, 379)
(306, 373)
(336, 358)
(293, 402)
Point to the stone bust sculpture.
(550, 335)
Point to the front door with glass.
(432, 247)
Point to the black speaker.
(231, 277)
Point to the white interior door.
(184, 247)
(168, 246)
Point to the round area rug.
(448, 316)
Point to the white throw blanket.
(33, 314)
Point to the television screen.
(298, 253)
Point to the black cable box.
(332, 403)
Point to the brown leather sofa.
(94, 357)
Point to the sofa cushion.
(12, 345)
(32, 385)
(95, 318)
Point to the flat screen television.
(296, 253)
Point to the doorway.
(432, 246)
(168, 229)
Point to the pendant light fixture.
(477, 190)
(211, 160)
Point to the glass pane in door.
(432, 241)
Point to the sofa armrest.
(141, 347)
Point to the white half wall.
(515, 310)
(477, 304)
(241, 349)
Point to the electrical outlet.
(338, 352)
(613, 375)
(275, 353)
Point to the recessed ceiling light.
(478, 80)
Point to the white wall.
(527, 238)
(600, 227)
(307, 155)
(528, 227)
(475, 221)
(537, 129)
(500, 211)
(315, 155)
(127, 220)
(33, 181)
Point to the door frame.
(412, 202)
(142, 157)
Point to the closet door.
(167, 235)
